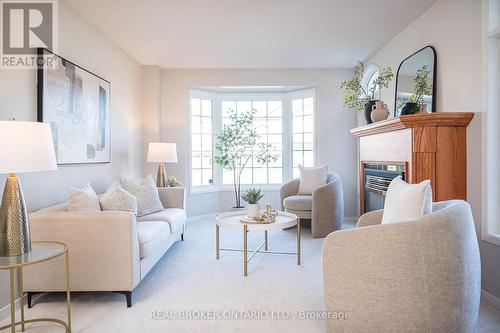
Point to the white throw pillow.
(118, 200)
(148, 200)
(84, 200)
(406, 202)
(311, 178)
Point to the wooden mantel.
(432, 146)
(415, 120)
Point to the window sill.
(491, 238)
(266, 188)
(195, 191)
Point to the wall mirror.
(416, 83)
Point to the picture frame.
(76, 103)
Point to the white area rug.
(189, 279)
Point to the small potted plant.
(252, 197)
(415, 102)
(173, 182)
(355, 96)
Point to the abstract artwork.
(76, 105)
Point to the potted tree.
(355, 96)
(252, 197)
(237, 144)
(415, 102)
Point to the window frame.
(217, 98)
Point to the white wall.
(335, 145)
(453, 27)
(87, 47)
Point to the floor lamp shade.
(24, 147)
(162, 152)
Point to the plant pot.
(253, 210)
(368, 111)
(409, 108)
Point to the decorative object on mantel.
(237, 144)
(252, 197)
(162, 152)
(379, 111)
(355, 96)
(24, 147)
(416, 83)
(76, 104)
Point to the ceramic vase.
(379, 111)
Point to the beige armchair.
(418, 276)
(325, 207)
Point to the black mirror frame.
(434, 75)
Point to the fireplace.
(376, 179)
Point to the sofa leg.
(128, 296)
(182, 237)
(30, 295)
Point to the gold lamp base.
(15, 239)
(161, 176)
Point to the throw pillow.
(83, 200)
(311, 178)
(148, 200)
(406, 202)
(118, 200)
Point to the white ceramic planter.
(253, 210)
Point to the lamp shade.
(26, 147)
(162, 152)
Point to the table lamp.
(24, 147)
(162, 152)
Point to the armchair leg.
(182, 237)
(29, 296)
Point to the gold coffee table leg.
(245, 250)
(21, 295)
(298, 241)
(217, 245)
(265, 240)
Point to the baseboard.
(490, 299)
(5, 311)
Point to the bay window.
(286, 121)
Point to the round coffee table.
(232, 220)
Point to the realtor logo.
(26, 26)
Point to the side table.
(40, 252)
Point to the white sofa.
(108, 251)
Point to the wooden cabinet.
(433, 146)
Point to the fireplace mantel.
(415, 120)
(432, 146)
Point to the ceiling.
(250, 33)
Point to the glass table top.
(40, 251)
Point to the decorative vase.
(253, 210)
(368, 111)
(379, 111)
(409, 108)
(423, 108)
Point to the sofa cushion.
(83, 200)
(175, 217)
(298, 202)
(148, 200)
(118, 200)
(152, 234)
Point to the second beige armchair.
(325, 207)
